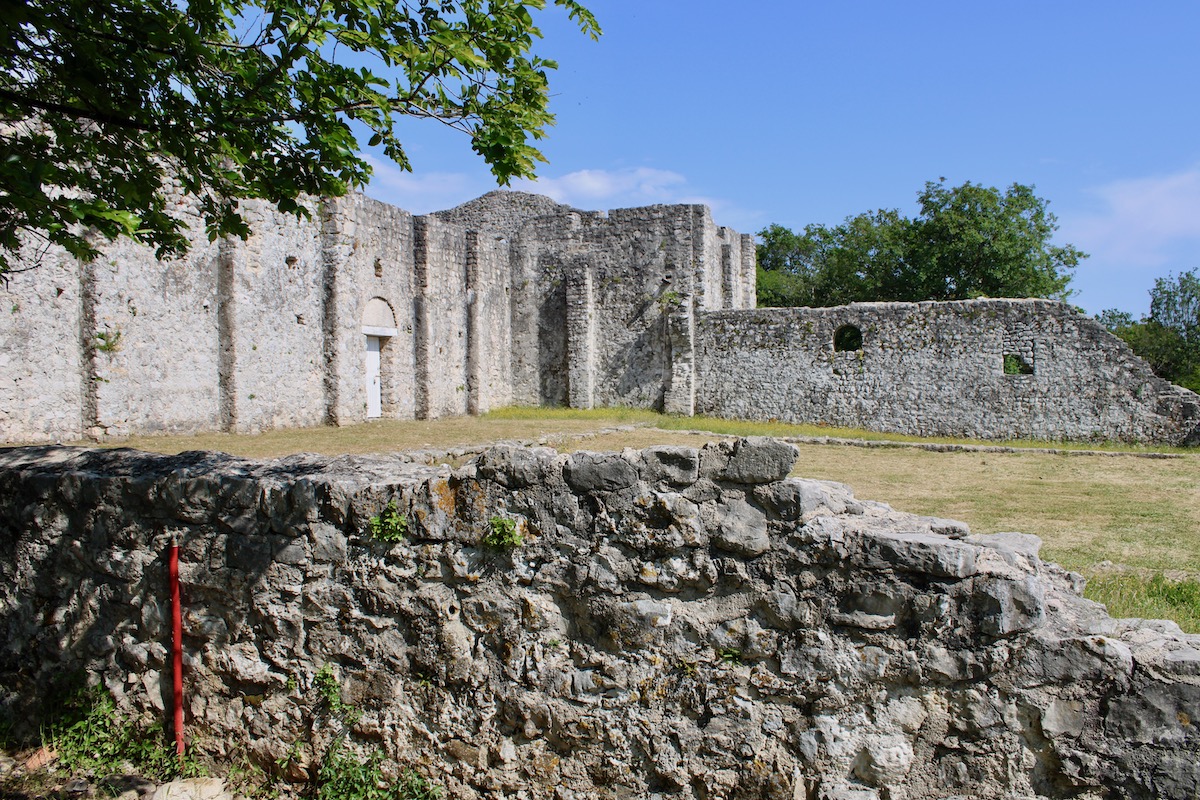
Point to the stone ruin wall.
(677, 622)
(937, 369)
(598, 299)
(268, 333)
(513, 298)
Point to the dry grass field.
(1129, 523)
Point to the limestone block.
(742, 529)
(758, 459)
(884, 761)
(917, 552)
(677, 466)
(516, 467)
(1156, 713)
(1010, 606)
(599, 472)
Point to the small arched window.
(847, 339)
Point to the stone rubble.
(677, 622)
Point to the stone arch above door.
(378, 318)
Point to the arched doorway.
(379, 325)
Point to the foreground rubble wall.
(676, 622)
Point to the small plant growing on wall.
(329, 691)
(345, 776)
(108, 341)
(669, 300)
(89, 735)
(389, 525)
(731, 656)
(502, 534)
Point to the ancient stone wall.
(675, 622)
(265, 333)
(502, 213)
(938, 369)
(276, 307)
(93, 349)
(44, 349)
(369, 261)
(513, 298)
(627, 283)
(468, 307)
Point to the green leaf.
(248, 100)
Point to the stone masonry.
(363, 310)
(937, 369)
(468, 310)
(675, 622)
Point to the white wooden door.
(374, 386)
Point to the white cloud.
(1141, 221)
(424, 192)
(1140, 229)
(588, 188)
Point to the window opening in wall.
(1015, 365)
(847, 339)
(378, 268)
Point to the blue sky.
(798, 113)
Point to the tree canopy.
(1169, 337)
(104, 103)
(967, 241)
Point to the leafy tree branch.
(106, 102)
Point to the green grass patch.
(611, 415)
(737, 427)
(1128, 594)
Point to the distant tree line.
(967, 241)
(1169, 337)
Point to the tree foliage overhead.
(1169, 338)
(967, 241)
(103, 102)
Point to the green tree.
(967, 241)
(784, 274)
(1169, 337)
(105, 103)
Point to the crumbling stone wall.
(677, 622)
(266, 333)
(603, 303)
(513, 298)
(269, 332)
(937, 369)
(71, 363)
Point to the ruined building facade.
(364, 310)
